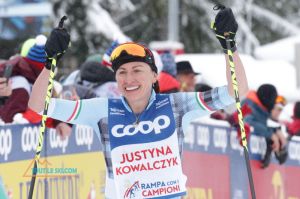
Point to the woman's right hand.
(57, 44)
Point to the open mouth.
(132, 88)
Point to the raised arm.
(225, 24)
(240, 75)
(55, 47)
(39, 91)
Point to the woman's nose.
(129, 78)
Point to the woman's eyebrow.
(137, 66)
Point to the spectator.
(167, 77)
(261, 104)
(294, 126)
(25, 70)
(274, 123)
(92, 80)
(232, 119)
(186, 76)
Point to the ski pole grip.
(61, 22)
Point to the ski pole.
(44, 118)
(240, 114)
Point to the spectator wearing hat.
(274, 123)
(261, 104)
(92, 80)
(25, 70)
(167, 77)
(186, 76)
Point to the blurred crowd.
(94, 78)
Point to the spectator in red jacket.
(167, 77)
(294, 127)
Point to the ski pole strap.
(222, 39)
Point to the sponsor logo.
(203, 137)
(57, 142)
(189, 137)
(84, 135)
(220, 138)
(258, 145)
(162, 103)
(115, 111)
(143, 127)
(47, 169)
(132, 191)
(235, 143)
(29, 138)
(5, 143)
(294, 151)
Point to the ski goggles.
(281, 100)
(130, 52)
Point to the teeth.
(131, 88)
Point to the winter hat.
(94, 58)
(185, 67)
(169, 64)
(37, 51)
(267, 95)
(127, 55)
(26, 46)
(95, 72)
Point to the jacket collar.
(151, 100)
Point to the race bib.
(145, 156)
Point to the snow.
(160, 45)
(277, 72)
(101, 22)
(274, 21)
(283, 49)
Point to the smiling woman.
(143, 131)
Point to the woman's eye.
(122, 72)
(137, 71)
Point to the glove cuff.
(233, 49)
(48, 64)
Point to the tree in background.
(94, 23)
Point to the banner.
(213, 162)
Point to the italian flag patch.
(201, 102)
(76, 111)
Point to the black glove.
(57, 44)
(225, 23)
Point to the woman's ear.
(155, 77)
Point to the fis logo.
(132, 192)
(144, 127)
(5, 143)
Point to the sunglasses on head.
(132, 49)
